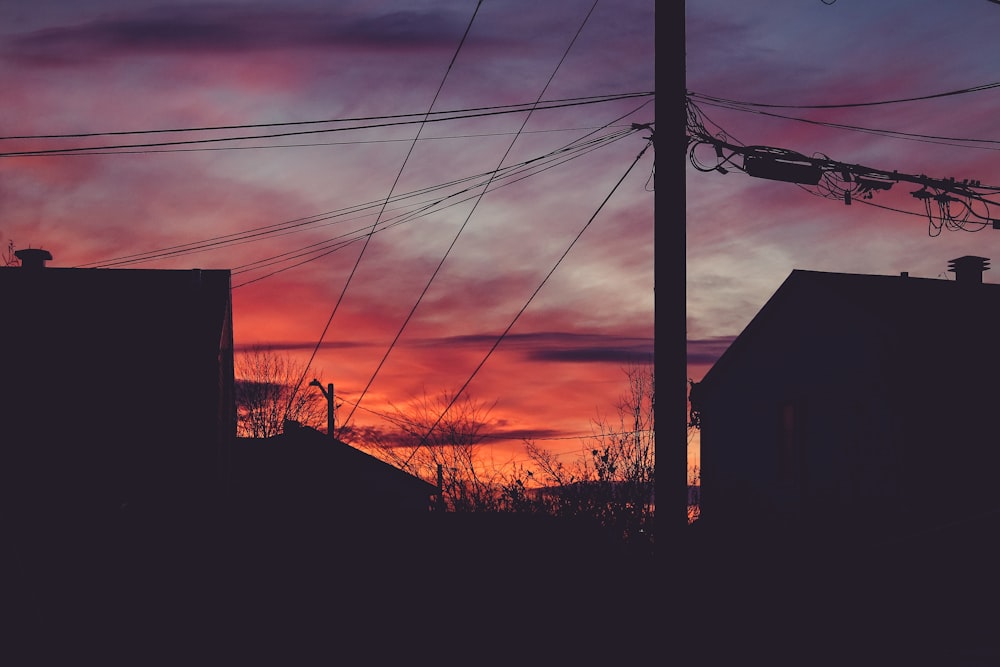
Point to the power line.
(468, 217)
(426, 210)
(409, 212)
(283, 226)
(87, 150)
(317, 144)
(894, 134)
(950, 93)
(503, 334)
(392, 188)
(847, 182)
(510, 108)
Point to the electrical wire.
(86, 150)
(950, 93)
(958, 142)
(408, 217)
(511, 108)
(472, 210)
(407, 213)
(284, 226)
(531, 298)
(864, 182)
(317, 144)
(388, 198)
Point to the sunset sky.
(745, 234)
(248, 178)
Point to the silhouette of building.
(119, 383)
(856, 403)
(302, 472)
(117, 408)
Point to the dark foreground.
(931, 598)
(270, 590)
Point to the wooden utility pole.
(440, 494)
(670, 271)
(328, 394)
(330, 420)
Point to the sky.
(395, 250)
(745, 234)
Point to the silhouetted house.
(116, 411)
(855, 402)
(118, 391)
(303, 473)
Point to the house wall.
(799, 433)
(118, 385)
(891, 401)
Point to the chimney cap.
(33, 258)
(969, 269)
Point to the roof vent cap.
(33, 258)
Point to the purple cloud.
(707, 350)
(220, 29)
(561, 346)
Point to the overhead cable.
(388, 198)
(505, 108)
(950, 93)
(527, 303)
(84, 150)
(468, 216)
(894, 134)
(948, 203)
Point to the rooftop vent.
(33, 258)
(969, 269)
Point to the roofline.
(789, 283)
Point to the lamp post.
(328, 393)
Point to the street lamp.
(328, 393)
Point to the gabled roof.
(937, 311)
(308, 455)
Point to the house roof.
(308, 455)
(924, 314)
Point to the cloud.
(220, 29)
(296, 346)
(524, 434)
(707, 351)
(642, 353)
(560, 346)
(506, 439)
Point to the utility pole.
(670, 271)
(328, 394)
(440, 495)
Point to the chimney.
(969, 269)
(33, 258)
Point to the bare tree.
(612, 481)
(437, 438)
(266, 394)
(694, 493)
(694, 471)
(9, 258)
